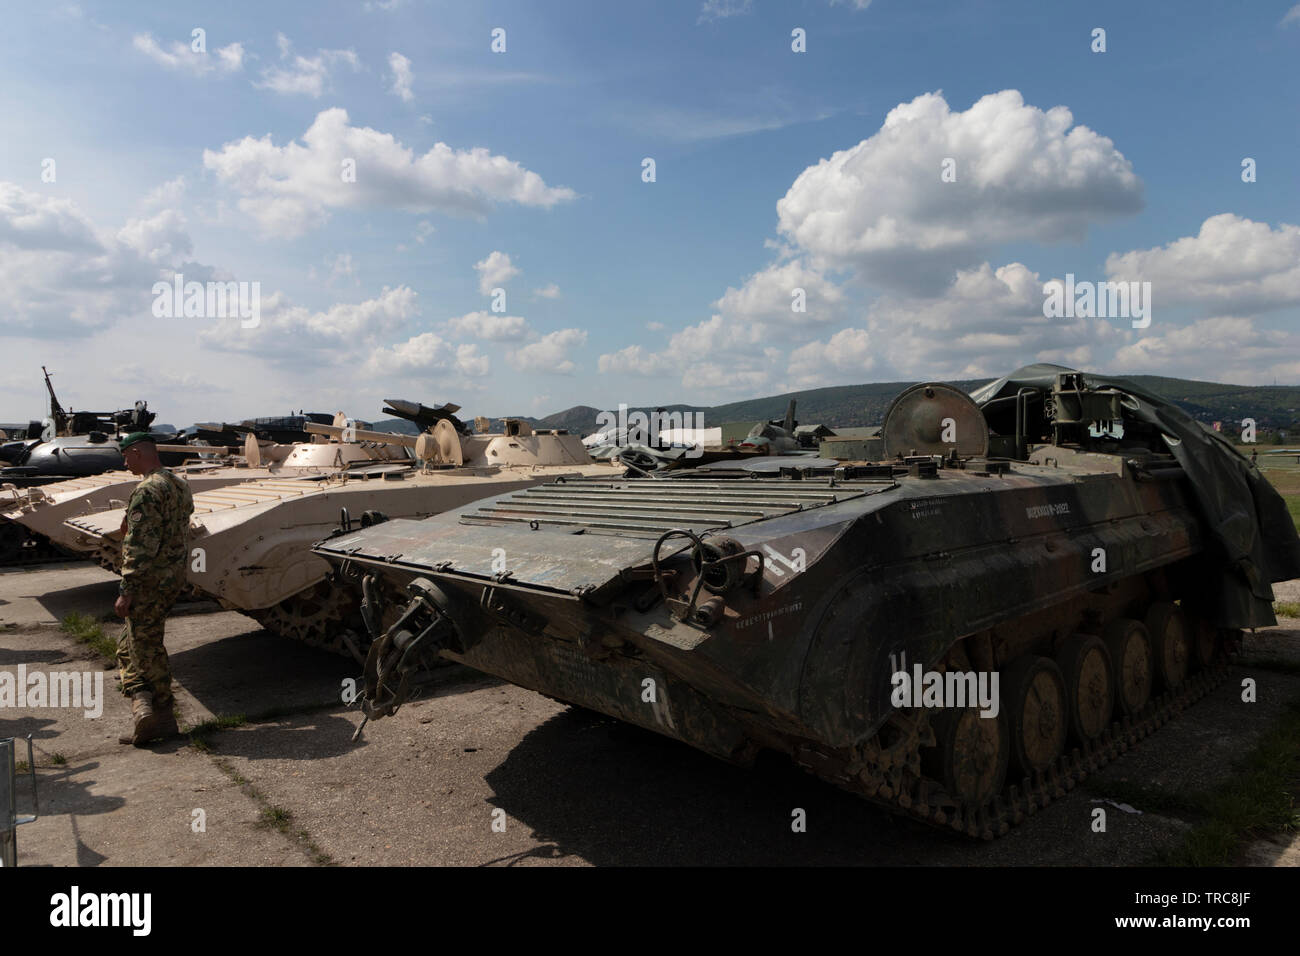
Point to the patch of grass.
(1286, 609)
(86, 630)
(1260, 798)
(58, 759)
(276, 817)
(219, 722)
(271, 816)
(200, 733)
(21, 767)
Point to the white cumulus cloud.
(427, 352)
(293, 331)
(402, 77)
(290, 189)
(550, 353)
(769, 296)
(1231, 263)
(1022, 173)
(62, 274)
(231, 57)
(493, 271)
(304, 75)
(749, 320)
(987, 322)
(181, 56)
(1220, 348)
(161, 239)
(169, 193)
(492, 326)
(635, 360)
(722, 9)
(847, 353)
(880, 216)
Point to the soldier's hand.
(122, 607)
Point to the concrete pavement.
(484, 773)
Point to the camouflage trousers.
(141, 657)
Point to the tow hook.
(395, 656)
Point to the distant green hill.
(844, 405)
(396, 426)
(1272, 406)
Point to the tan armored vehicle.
(31, 519)
(250, 544)
(32, 527)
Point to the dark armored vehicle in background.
(1088, 545)
(72, 444)
(280, 430)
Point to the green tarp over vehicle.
(1247, 519)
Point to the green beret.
(128, 440)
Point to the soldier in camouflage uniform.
(153, 573)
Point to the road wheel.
(971, 754)
(1170, 647)
(1033, 697)
(1089, 685)
(1204, 642)
(1130, 655)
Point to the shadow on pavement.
(257, 673)
(12, 658)
(309, 737)
(94, 599)
(616, 794)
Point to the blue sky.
(221, 165)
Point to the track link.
(322, 617)
(900, 789)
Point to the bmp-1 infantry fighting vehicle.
(32, 520)
(70, 464)
(1081, 540)
(251, 543)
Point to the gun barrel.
(202, 449)
(334, 431)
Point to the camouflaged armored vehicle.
(1084, 542)
(251, 543)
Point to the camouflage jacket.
(157, 519)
